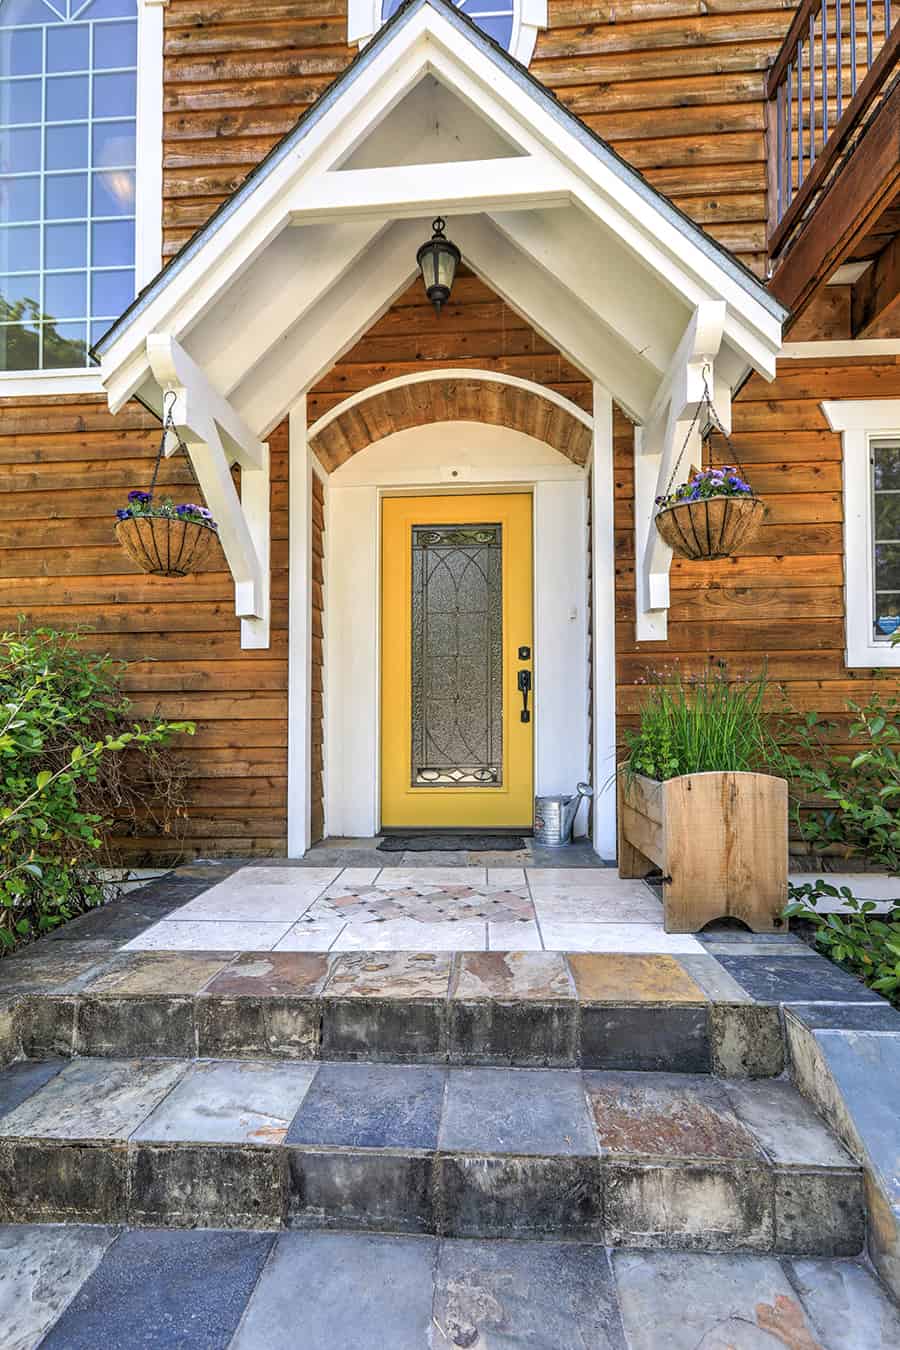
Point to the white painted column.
(560, 638)
(299, 631)
(352, 676)
(604, 625)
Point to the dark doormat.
(451, 843)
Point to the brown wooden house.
(423, 509)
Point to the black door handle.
(524, 686)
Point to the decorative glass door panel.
(457, 655)
(456, 610)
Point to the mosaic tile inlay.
(424, 903)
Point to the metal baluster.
(799, 113)
(811, 88)
(779, 153)
(839, 55)
(868, 32)
(824, 71)
(887, 19)
(789, 135)
(852, 47)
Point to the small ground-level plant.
(73, 761)
(862, 940)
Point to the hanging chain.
(169, 425)
(712, 419)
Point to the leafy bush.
(64, 722)
(852, 801)
(702, 725)
(862, 941)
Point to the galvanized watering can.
(555, 816)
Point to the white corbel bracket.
(216, 438)
(656, 447)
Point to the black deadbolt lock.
(524, 653)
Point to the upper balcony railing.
(836, 62)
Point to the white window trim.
(529, 16)
(147, 207)
(860, 422)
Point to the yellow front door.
(456, 637)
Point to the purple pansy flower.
(138, 496)
(123, 513)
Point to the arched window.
(514, 24)
(68, 91)
(494, 16)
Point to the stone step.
(601, 1011)
(645, 1160)
(77, 1288)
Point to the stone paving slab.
(521, 1111)
(228, 1102)
(41, 1270)
(666, 1116)
(162, 1290)
(356, 1291)
(786, 979)
(372, 1106)
(93, 1099)
(634, 979)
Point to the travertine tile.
(204, 935)
(628, 978)
(397, 975)
(512, 975)
(615, 937)
(153, 972)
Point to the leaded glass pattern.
(457, 656)
(494, 17)
(886, 537)
(68, 97)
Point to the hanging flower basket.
(710, 527)
(165, 540)
(165, 545)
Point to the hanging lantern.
(438, 261)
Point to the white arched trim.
(459, 373)
(529, 16)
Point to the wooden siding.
(64, 469)
(415, 405)
(676, 86)
(317, 703)
(476, 329)
(781, 601)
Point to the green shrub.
(702, 725)
(852, 801)
(862, 941)
(64, 722)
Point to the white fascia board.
(189, 288)
(862, 414)
(679, 260)
(861, 347)
(49, 383)
(426, 41)
(561, 319)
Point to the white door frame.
(352, 637)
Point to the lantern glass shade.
(438, 261)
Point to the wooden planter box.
(719, 839)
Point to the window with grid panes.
(68, 92)
(885, 458)
(496, 19)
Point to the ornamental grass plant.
(703, 724)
